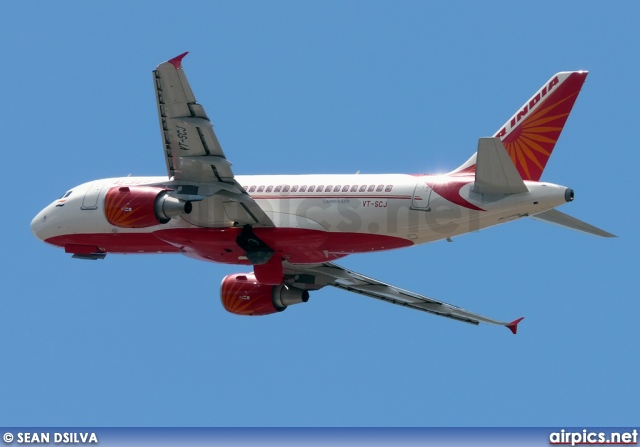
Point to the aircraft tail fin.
(558, 218)
(530, 135)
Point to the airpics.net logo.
(586, 437)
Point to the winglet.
(177, 61)
(513, 326)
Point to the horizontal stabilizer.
(495, 172)
(558, 218)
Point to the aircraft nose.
(38, 223)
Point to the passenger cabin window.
(336, 188)
(261, 189)
(303, 188)
(294, 188)
(278, 189)
(269, 188)
(388, 188)
(311, 188)
(354, 188)
(363, 188)
(286, 188)
(345, 188)
(371, 188)
(245, 188)
(253, 188)
(319, 188)
(379, 188)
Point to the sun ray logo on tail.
(532, 132)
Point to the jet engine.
(142, 206)
(242, 294)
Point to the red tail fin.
(531, 134)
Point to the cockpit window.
(67, 194)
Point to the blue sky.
(324, 87)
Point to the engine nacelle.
(142, 206)
(242, 294)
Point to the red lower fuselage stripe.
(219, 244)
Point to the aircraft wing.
(330, 274)
(195, 161)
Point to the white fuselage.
(402, 209)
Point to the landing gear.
(257, 251)
(268, 270)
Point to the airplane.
(290, 228)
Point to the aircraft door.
(90, 200)
(421, 197)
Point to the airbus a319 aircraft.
(290, 228)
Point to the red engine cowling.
(242, 294)
(142, 206)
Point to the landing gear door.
(421, 197)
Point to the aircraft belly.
(296, 245)
(123, 243)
